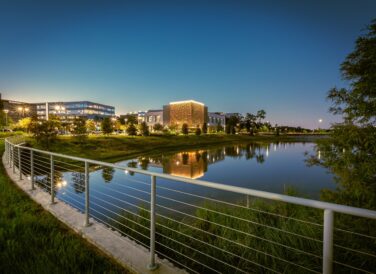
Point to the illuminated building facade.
(216, 118)
(71, 110)
(153, 117)
(15, 110)
(190, 112)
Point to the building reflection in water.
(194, 164)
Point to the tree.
(157, 127)
(250, 123)
(131, 130)
(198, 130)
(79, 129)
(24, 124)
(130, 119)
(261, 114)
(232, 123)
(350, 152)
(184, 129)
(143, 128)
(106, 126)
(276, 130)
(90, 125)
(45, 132)
(108, 174)
(205, 128)
(116, 125)
(219, 127)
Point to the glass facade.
(71, 110)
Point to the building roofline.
(187, 101)
(70, 102)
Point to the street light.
(59, 108)
(6, 116)
(23, 110)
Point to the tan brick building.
(190, 112)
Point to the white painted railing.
(172, 237)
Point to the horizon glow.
(234, 56)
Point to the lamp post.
(320, 121)
(6, 116)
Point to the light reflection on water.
(269, 167)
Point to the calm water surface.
(268, 167)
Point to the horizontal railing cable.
(124, 208)
(354, 250)
(239, 206)
(121, 216)
(120, 200)
(240, 219)
(116, 221)
(227, 215)
(175, 261)
(242, 232)
(213, 258)
(352, 267)
(189, 258)
(355, 233)
(118, 230)
(228, 252)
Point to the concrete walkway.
(128, 253)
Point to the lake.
(272, 167)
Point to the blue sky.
(235, 56)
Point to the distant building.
(15, 110)
(216, 118)
(153, 117)
(229, 114)
(71, 110)
(190, 112)
(140, 116)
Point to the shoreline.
(119, 147)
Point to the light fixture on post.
(6, 116)
(22, 110)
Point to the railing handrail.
(360, 212)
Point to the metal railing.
(174, 218)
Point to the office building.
(185, 112)
(216, 118)
(71, 110)
(153, 117)
(15, 110)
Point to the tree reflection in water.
(108, 174)
(78, 179)
(194, 163)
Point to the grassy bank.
(114, 148)
(33, 241)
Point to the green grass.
(115, 148)
(34, 241)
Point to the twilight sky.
(234, 56)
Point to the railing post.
(6, 151)
(52, 179)
(327, 263)
(13, 160)
(87, 201)
(19, 162)
(152, 265)
(32, 169)
(10, 155)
